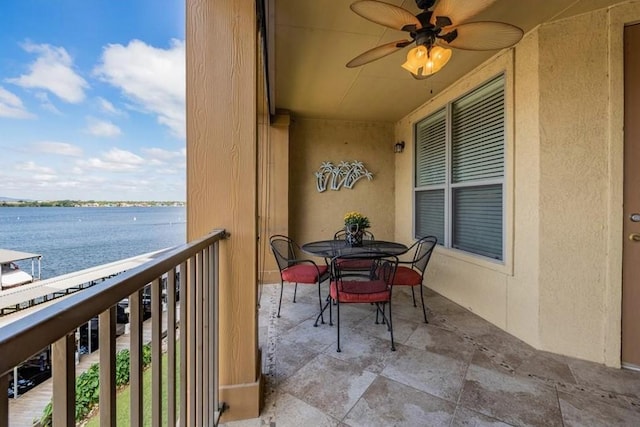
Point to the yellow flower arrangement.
(356, 218)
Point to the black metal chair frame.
(291, 258)
(382, 267)
(342, 233)
(423, 249)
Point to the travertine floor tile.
(364, 352)
(619, 381)
(331, 385)
(433, 373)
(388, 403)
(509, 398)
(464, 417)
(441, 341)
(582, 411)
(293, 412)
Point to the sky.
(92, 100)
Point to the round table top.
(339, 247)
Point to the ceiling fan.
(434, 30)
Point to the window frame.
(504, 263)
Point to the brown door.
(631, 228)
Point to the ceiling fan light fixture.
(438, 58)
(425, 62)
(416, 59)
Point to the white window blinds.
(459, 172)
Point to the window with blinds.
(459, 172)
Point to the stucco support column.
(222, 179)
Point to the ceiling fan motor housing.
(426, 36)
(425, 4)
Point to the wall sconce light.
(399, 147)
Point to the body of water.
(72, 239)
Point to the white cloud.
(46, 103)
(61, 148)
(115, 160)
(32, 167)
(153, 78)
(100, 164)
(104, 128)
(108, 107)
(47, 177)
(163, 155)
(53, 71)
(11, 106)
(118, 175)
(123, 156)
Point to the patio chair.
(375, 289)
(355, 266)
(294, 269)
(411, 273)
(342, 234)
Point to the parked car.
(23, 386)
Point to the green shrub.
(87, 391)
(122, 367)
(88, 385)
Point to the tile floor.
(458, 370)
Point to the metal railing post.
(171, 347)
(64, 381)
(156, 353)
(135, 349)
(107, 337)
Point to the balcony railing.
(191, 303)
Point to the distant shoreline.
(87, 204)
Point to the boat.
(10, 272)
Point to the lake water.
(72, 239)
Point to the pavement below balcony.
(458, 370)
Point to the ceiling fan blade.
(386, 14)
(484, 35)
(459, 11)
(377, 53)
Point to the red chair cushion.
(358, 291)
(303, 273)
(406, 276)
(354, 264)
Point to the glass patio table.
(339, 247)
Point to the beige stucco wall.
(314, 215)
(477, 284)
(559, 288)
(573, 184)
(522, 286)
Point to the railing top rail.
(23, 338)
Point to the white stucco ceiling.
(314, 39)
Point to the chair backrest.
(424, 249)
(382, 266)
(386, 269)
(342, 233)
(284, 249)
